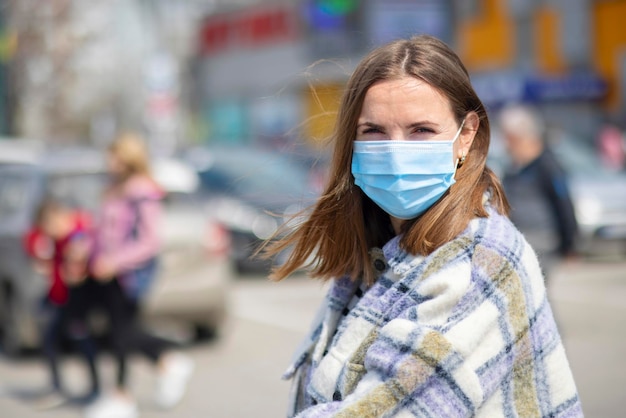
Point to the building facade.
(273, 72)
(567, 57)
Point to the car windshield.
(251, 174)
(13, 193)
(79, 190)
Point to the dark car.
(192, 283)
(253, 192)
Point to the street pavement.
(238, 374)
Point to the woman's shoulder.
(497, 240)
(489, 239)
(142, 188)
(496, 230)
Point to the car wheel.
(240, 267)
(204, 332)
(11, 344)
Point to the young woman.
(437, 306)
(124, 264)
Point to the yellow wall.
(487, 40)
(547, 41)
(322, 103)
(609, 25)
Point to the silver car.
(193, 280)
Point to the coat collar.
(398, 264)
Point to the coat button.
(379, 265)
(336, 396)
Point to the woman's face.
(406, 109)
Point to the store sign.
(496, 89)
(575, 86)
(334, 27)
(330, 15)
(248, 29)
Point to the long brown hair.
(345, 224)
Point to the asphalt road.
(238, 374)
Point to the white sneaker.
(172, 382)
(51, 400)
(114, 406)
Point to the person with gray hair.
(536, 186)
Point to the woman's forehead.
(406, 95)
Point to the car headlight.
(264, 226)
(293, 215)
(588, 211)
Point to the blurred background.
(235, 99)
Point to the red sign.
(249, 28)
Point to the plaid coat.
(466, 331)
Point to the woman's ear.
(472, 122)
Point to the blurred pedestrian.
(537, 189)
(125, 264)
(60, 244)
(611, 145)
(450, 317)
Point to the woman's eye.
(372, 131)
(423, 131)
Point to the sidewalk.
(589, 304)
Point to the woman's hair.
(131, 151)
(344, 223)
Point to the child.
(60, 245)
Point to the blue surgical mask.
(404, 178)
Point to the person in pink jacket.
(125, 263)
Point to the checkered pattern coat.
(466, 331)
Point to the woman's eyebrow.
(369, 125)
(423, 123)
(410, 126)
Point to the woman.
(437, 306)
(125, 263)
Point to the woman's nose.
(398, 136)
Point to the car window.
(255, 174)
(82, 190)
(13, 193)
(181, 199)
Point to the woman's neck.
(396, 224)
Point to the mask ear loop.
(459, 162)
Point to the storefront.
(273, 74)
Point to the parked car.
(193, 279)
(598, 194)
(253, 192)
